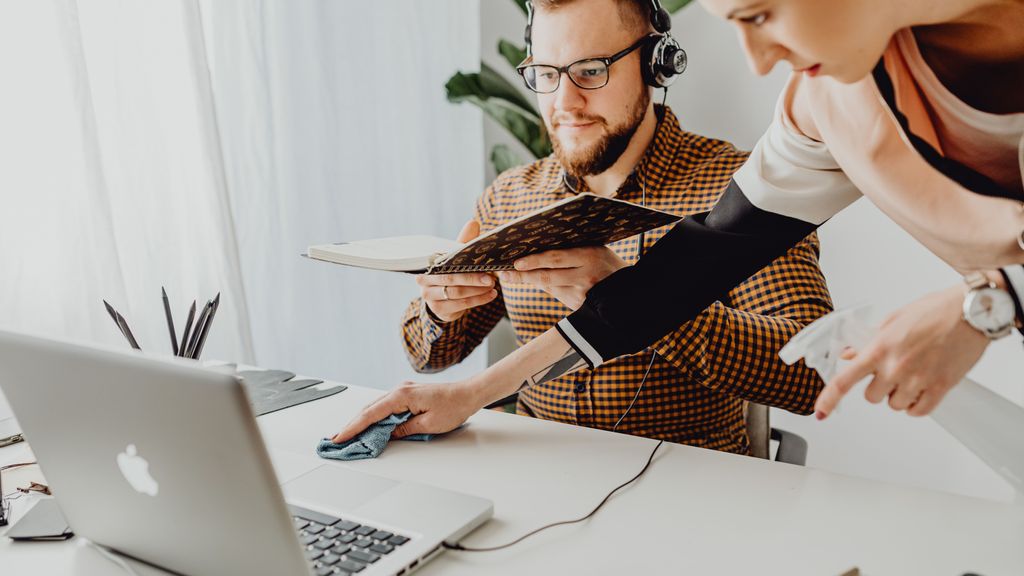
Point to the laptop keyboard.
(341, 547)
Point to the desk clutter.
(193, 337)
(42, 522)
(273, 390)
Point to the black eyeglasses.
(588, 74)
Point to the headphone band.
(660, 19)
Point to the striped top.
(701, 373)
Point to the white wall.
(864, 257)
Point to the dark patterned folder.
(582, 220)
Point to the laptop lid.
(158, 459)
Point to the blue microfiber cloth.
(369, 443)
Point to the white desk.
(694, 512)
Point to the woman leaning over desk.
(916, 104)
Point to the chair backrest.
(758, 429)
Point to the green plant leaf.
(525, 127)
(486, 85)
(674, 6)
(503, 103)
(521, 4)
(495, 85)
(503, 158)
(513, 54)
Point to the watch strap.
(1014, 277)
(977, 280)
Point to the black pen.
(206, 327)
(127, 331)
(170, 322)
(113, 316)
(188, 326)
(197, 332)
(194, 338)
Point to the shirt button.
(581, 388)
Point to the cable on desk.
(461, 548)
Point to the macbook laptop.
(162, 460)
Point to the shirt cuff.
(433, 326)
(576, 340)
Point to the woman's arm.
(967, 230)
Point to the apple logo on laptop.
(135, 470)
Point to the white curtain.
(111, 180)
(335, 126)
(202, 145)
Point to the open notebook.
(581, 220)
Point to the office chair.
(792, 448)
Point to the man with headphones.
(594, 65)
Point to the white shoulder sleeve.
(792, 175)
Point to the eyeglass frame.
(607, 61)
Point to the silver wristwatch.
(988, 309)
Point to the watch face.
(990, 309)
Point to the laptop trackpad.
(334, 487)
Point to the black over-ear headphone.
(661, 57)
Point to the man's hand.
(435, 408)
(919, 353)
(449, 296)
(566, 274)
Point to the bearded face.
(588, 144)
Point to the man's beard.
(595, 158)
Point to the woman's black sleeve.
(691, 267)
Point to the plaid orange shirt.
(701, 373)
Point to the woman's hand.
(919, 353)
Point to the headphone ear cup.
(672, 60)
(648, 61)
(663, 60)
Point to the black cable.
(461, 548)
(640, 251)
(654, 355)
